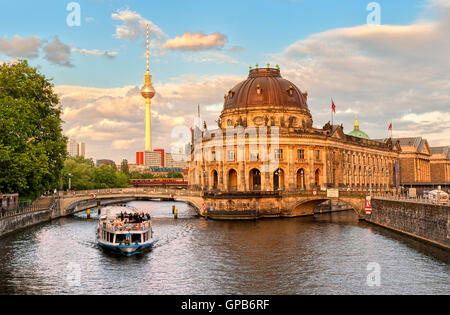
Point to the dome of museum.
(265, 87)
(358, 133)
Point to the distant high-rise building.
(140, 158)
(76, 149)
(152, 158)
(72, 148)
(82, 149)
(177, 160)
(162, 164)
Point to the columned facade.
(266, 141)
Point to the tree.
(124, 167)
(85, 176)
(81, 171)
(32, 146)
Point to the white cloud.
(196, 41)
(134, 26)
(58, 53)
(383, 73)
(96, 52)
(210, 57)
(123, 144)
(17, 47)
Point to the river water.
(326, 254)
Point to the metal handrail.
(23, 208)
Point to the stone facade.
(415, 165)
(266, 142)
(440, 165)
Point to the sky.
(94, 50)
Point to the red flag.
(333, 107)
(390, 127)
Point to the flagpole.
(333, 111)
(332, 118)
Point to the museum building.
(265, 141)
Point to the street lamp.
(278, 173)
(70, 181)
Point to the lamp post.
(70, 181)
(278, 173)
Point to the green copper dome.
(358, 133)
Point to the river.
(325, 254)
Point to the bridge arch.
(306, 207)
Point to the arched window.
(317, 177)
(255, 179)
(301, 179)
(278, 179)
(232, 180)
(215, 179)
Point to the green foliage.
(124, 167)
(86, 176)
(32, 146)
(175, 175)
(137, 175)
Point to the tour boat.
(124, 230)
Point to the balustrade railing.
(43, 203)
(417, 199)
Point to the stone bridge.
(279, 203)
(73, 202)
(223, 205)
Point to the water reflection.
(326, 254)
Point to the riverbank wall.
(17, 222)
(423, 221)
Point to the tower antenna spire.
(148, 52)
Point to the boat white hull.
(127, 250)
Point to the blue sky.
(261, 27)
(397, 71)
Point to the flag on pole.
(390, 127)
(333, 107)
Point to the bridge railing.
(131, 191)
(418, 199)
(41, 204)
(324, 194)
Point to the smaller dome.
(358, 133)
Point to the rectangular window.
(230, 156)
(300, 154)
(254, 156)
(317, 155)
(135, 238)
(278, 154)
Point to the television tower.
(148, 92)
